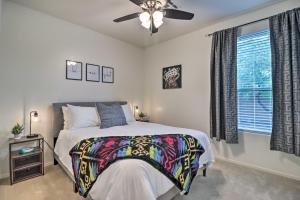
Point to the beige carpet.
(224, 182)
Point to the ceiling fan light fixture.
(154, 12)
(145, 19)
(158, 15)
(146, 24)
(158, 18)
(158, 23)
(145, 16)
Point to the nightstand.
(26, 166)
(143, 120)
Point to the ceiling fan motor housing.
(154, 4)
(163, 2)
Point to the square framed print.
(107, 74)
(172, 77)
(92, 72)
(73, 70)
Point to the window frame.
(252, 29)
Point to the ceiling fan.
(153, 13)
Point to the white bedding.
(128, 179)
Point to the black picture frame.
(172, 77)
(68, 76)
(104, 68)
(87, 70)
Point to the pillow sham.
(67, 117)
(83, 117)
(111, 115)
(128, 113)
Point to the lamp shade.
(158, 18)
(145, 16)
(35, 116)
(146, 24)
(145, 19)
(157, 24)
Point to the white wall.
(1, 2)
(33, 50)
(189, 106)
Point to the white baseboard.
(270, 171)
(6, 175)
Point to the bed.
(125, 179)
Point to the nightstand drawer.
(26, 160)
(27, 173)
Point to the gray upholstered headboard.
(58, 118)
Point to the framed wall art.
(172, 77)
(73, 70)
(107, 74)
(92, 72)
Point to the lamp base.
(32, 136)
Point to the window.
(254, 82)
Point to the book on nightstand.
(26, 150)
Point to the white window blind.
(254, 82)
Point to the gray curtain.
(224, 123)
(285, 44)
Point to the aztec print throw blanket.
(176, 156)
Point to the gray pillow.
(111, 115)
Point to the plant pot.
(17, 137)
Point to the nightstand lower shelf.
(27, 173)
(27, 166)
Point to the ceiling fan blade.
(137, 2)
(178, 14)
(127, 17)
(172, 4)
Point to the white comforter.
(128, 179)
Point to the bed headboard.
(58, 118)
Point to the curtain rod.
(246, 24)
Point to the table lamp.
(35, 115)
(136, 110)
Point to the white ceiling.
(98, 15)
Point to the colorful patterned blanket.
(176, 156)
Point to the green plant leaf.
(17, 129)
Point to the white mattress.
(128, 179)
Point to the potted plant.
(142, 115)
(17, 130)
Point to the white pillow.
(67, 117)
(128, 113)
(83, 117)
